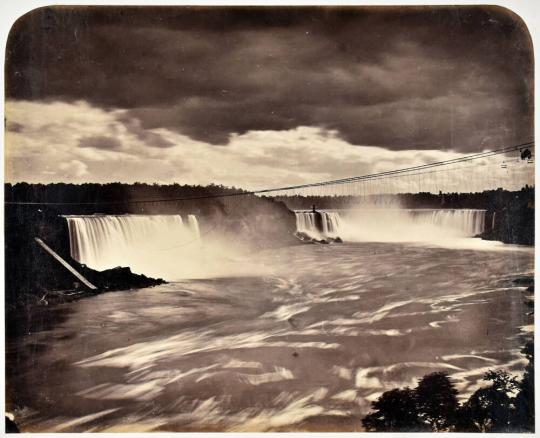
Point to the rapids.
(306, 346)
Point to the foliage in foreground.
(506, 405)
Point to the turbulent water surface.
(305, 347)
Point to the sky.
(259, 97)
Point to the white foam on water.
(234, 363)
(82, 420)
(286, 311)
(279, 374)
(347, 395)
(142, 391)
(143, 354)
(342, 372)
(450, 357)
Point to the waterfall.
(469, 222)
(391, 224)
(107, 241)
(306, 222)
(194, 225)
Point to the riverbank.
(27, 310)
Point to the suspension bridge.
(510, 168)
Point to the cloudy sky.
(256, 97)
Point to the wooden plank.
(65, 264)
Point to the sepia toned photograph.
(269, 219)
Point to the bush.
(507, 405)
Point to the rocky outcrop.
(306, 238)
(513, 223)
(119, 278)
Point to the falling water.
(194, 225)
(306, 222)
(106, 241)
(469, 222)
(379, 224)
(160, 246)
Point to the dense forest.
(120, 198)
(487, 200)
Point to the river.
(305, 344)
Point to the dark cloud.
(149, 138)
(100, 142)
(14, 127)
(450, 78)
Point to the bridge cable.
(372, 176)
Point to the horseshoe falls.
(142, 242)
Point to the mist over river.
(305, 346)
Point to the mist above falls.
(405, 225)
(173, 248)
(165, 246)
(373, 223)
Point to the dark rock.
(319, 219)
(304, 237)
(292, 322)
(11, 427)
(119, 278)
(525, 280)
